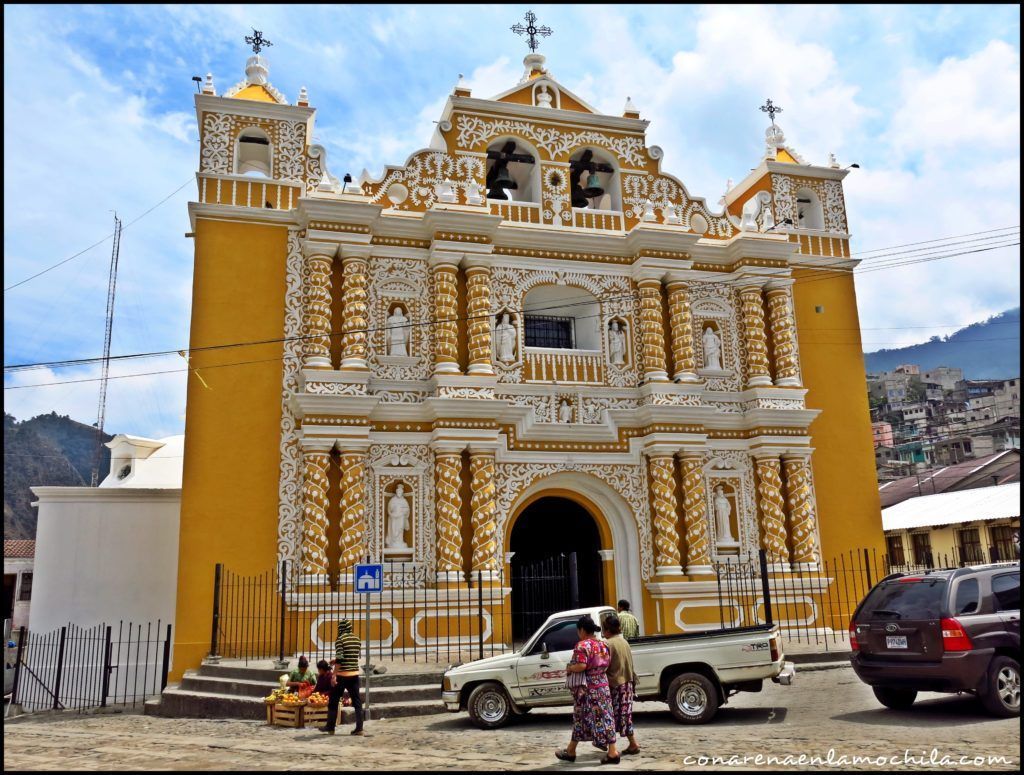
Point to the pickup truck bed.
(695, 673)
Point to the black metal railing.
(77, 668)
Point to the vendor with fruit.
(324, 679)
(301, 679)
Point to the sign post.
(368, 580)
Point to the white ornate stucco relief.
(289, 520)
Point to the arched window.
(512, 171)
(252, 153)
(809, 214)
(561, 317)
(594, 180)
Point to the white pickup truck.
(694, 673)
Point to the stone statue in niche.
(505, 336)
(712, 349)
(617, 344)
(398, 333)
(398, 520)
(565, 411)
(723, 511)
(543, 98)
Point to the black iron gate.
(548, 585)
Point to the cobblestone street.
(824, 710)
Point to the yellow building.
(526, 340)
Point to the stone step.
(183, 703)
(240, 687)
(270, 676)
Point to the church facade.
(527, 338)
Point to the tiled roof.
(948, 478)
(19, 548)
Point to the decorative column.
(353, 508)
(485, 511)
(773, 519)
(667, 558)
(783, 327)
(803, 523)
(652, 329)
(446, 312)
(448, 481)
(681, 322)
(754, 337)
(315, 461)
(355, 277)
(478, 292)
(698, 546)
(316, 313)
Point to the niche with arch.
(254, 153)
(398, 331)
(561, 317)
(809, 212)
(505, 338)
(512, 161)
(619, 353)
(398, 523)
(724, 510)
(712, 347)
(546, 95)
(591, 170)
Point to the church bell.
(502, 180)
(593, 188)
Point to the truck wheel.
(489, 706)
(892, 697)
(692, 698)
(1002, 690)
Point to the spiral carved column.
(314, 512)
(754, 337)
(783, 326)
(681, 323)
(446, 313)
(652, 330)
(478, 292)
(353, 328)
(667, 558)
(698, 545)
(316, 317)
(448, 479)
(803, 527)
(353, 510)
(773, 518)
(484, 518)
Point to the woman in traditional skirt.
(621, 679)
(592, 715)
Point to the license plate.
(896, 641)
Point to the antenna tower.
(102, 411)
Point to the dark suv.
(942, 631)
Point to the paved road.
(824, 710)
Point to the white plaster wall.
(105, 555)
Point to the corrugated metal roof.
(946, 508)
(19, 548)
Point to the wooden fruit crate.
(270, 711)
(289, 715)
(315, 715)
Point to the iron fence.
(77, 668)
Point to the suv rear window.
(1006, 588)
(905, 599)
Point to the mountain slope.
(988, 350)
(47, 450)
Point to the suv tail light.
(954, 637)
(776, 654)
(854, 646)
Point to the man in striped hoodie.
(346, 668)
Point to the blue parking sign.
(369, 578)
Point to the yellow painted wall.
(232, 429)
(832, 363)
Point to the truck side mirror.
(544, 651)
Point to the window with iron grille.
(895, 546)
(922, 545)
(1006, 548)
(25, 593)
(970, 546)
(550, 331)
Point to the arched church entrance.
(556, 563)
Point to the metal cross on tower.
(771, 110)
(257, 41)
(531, 30)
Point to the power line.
(95, 244)
(941, 239)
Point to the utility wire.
(95, 244)
(941, 239)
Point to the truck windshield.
(905, 598)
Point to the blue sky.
(98, 116)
